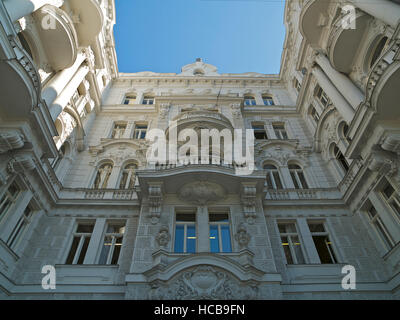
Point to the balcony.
(313, 19)
(59, 40)
(88, 21)
(343, 43)
(303, 194)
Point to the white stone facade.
(79, 193)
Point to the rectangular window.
(380, 227)
(280, 131)
(130, 99)
(220, 234)
(268, 100)
(118, 130)
(148, 100)
(392, 198)
(140, 131)
(8, 199)
(297, 85)
(259, 132)
(291, 243)
(80, 243)
(322, 97)
(185, 233)
(112, 243)
(249, 101)
(20, 228)
(322, 242)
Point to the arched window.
(343, 131)
(298, 178)
(268, 100)
(249, 100)
(127, 180)
(102, 176)
(341, 158)
(273, 177)
(280, 131)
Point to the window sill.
(318, 273)
(86, 274)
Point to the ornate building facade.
(79, 196)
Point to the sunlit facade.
(80, 193)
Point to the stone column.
(21, 8)
(346, 87)
(385, 10)
(340, 103)
(60, 80)
(65, 96)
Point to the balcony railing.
(98, 194)
(302, 194)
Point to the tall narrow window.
(341, 159)
(268, 100)
(392, 198)
(102, 176)
(185, 233)
(118, 130)
(128, 176)
(273, 177)
(280, 131)
(8, 199)
(80, 243)
(220, 234)
(291, 243)
(140, 131)
(314, 114)
(299, 181)
(249, 101)
(297, 84)
(20, 228)
(148, 100)
(259, 132)
(378, 50)
(112, 243)
(322, 242)
(130, 99)
(322, 96)
(380, 227)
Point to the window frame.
(82, 237)
(114, 236)
(289, 236)
(268, 100)
(330, 245)
(185, 225)
(137, 132)
(12, 198)
(295, 174)
(249, 100)
(271, 173)
(380, 228)
(281, 132)
(219, 224)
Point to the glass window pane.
(117, 250)
(179, 234)
(85, 228)
(214, 239)
(191, 239)
(185, 217)
(297, 250)
(83, 250)
(218, 217)
(72, 251)
(105, 250)
(226, 239)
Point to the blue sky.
(234, 35)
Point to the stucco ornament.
(201, 192)
(203, 282)
(163, 237)
(242, 236)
